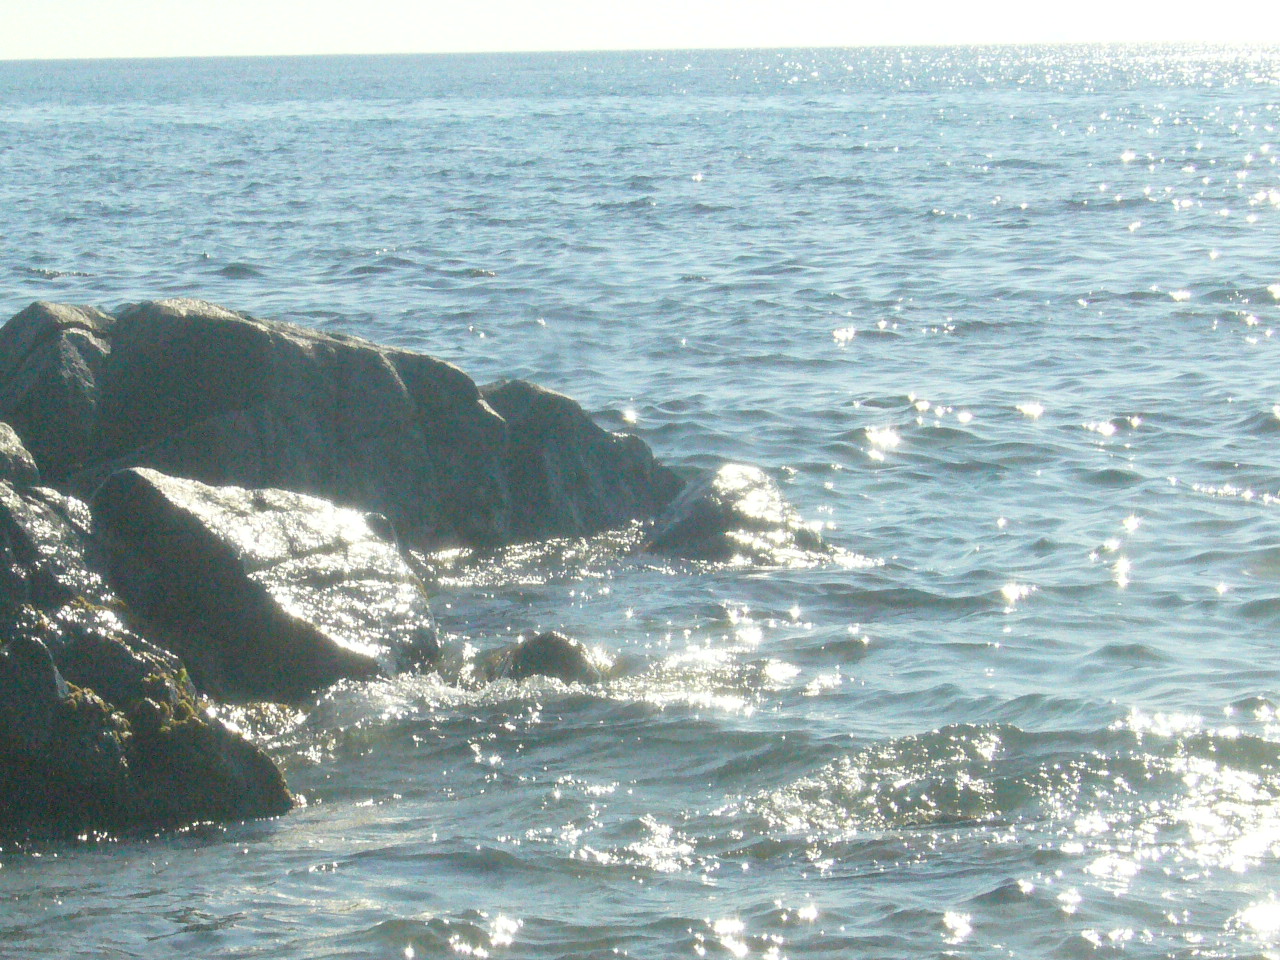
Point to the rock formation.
(252, 491)
(194, 390)
(72, 761)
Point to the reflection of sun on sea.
(1260, 920)
(881, 439)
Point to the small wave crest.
(239, 271)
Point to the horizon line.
(1199, 44)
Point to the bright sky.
(134, 28)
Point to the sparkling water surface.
(1000, 319)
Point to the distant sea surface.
(1006, 322)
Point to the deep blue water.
(1000, 319)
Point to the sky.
(41, 29)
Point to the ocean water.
(1001, 320)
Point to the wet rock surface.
(737, 514)
(44, 539)
(16, 463)
(548, 654)
(567, 476)
(266, 594)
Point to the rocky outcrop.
(737, 514)
(266, 594)
(250, 488)
(197, 391)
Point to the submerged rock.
(549, 654)
(265, 594)
(736, 514)
(197, 391)
(72, 760)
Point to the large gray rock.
(16, 463)
(51, 358)
(567, 476)
(265, 594)
(197, 391)
(194, 390)
(736, 514)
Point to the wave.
(1129, 775)
(239, 271)
(46, 273)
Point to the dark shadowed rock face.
(568, 477)
(737, 514)
(194, 390)
(71, 760)
(266, 594)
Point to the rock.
(568, 477)
(197, 391)
(549, 654)
(72, 761)
(186, 766)
(100, 729)
(63, 761)
(265, 594)
(51, 358)
(194, 390)
(30, 689)
(16, 463)
(43, 546)
(737, 514)
(94, 649)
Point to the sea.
(1003, 322)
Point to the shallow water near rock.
(999, 319)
